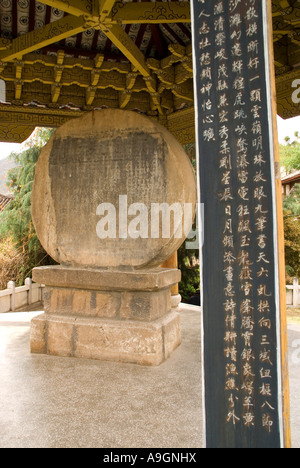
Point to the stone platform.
(54, 402)
(107, 315)
(57, 402)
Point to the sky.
(285, 128)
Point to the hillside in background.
(5, 165)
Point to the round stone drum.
(112, 190)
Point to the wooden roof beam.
(105, 7)
(4, 43)
(151, 12)
(76, 7)
(42, 37)
(126, 45)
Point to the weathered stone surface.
(107, 299)
(131, 305)
(38, 342)
(80, 302)
(60, 335)
(94, 160)
(143, 296)
(135, 342)
(105, 280)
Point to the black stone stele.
(239, 282)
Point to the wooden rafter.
(105, 7)
(74, 7)
(151, 13)
(126, 45)
(117, 12)
(42, 37)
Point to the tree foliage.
(15, 222)
(188, 259)
(291, 207)
(291, 203)
(290, 154)
(290, 160)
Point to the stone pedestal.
(107, 315)
(114, 197)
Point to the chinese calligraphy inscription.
(239, 263)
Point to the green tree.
(290, 154)
(290, 160)
(188, 259)
(291, 207)
(15, 222)
(291, 203)
(292, 245)
(188, 263)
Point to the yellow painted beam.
(55, 92)
(42, 37)
(90, 94)
(74, 7)
(4, 43)
(126, 45)
(18, 89)
(105, 7)
(152, 12)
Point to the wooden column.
(172, 262)
(285, 387)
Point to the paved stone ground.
(294, 370)
(51, 402)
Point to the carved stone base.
(114, 316)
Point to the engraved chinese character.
(247, 338)
(209, 134)
(247, 369)
(220, 39)
(261, 223)
(233, 4)
(246, 307)
(265, 356)
(252, 29)
(253, 46)
(231, 369)
(231, 353)
(218, 8)
(219, 24)
(267, 422)
(239, 83)
(235, 20)
(247, 288)
(265, 323)
(265, 390)
(230, 337)
(232, 417)
(255, 95)
(204, 43)
(249, 419)
(243, 193)
(204, 29)
(259, 160)
(205, 59)
(251, 13)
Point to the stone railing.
(12, 298)
(293, 296)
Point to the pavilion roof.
(60, 58)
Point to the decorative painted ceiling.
(60, 58)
